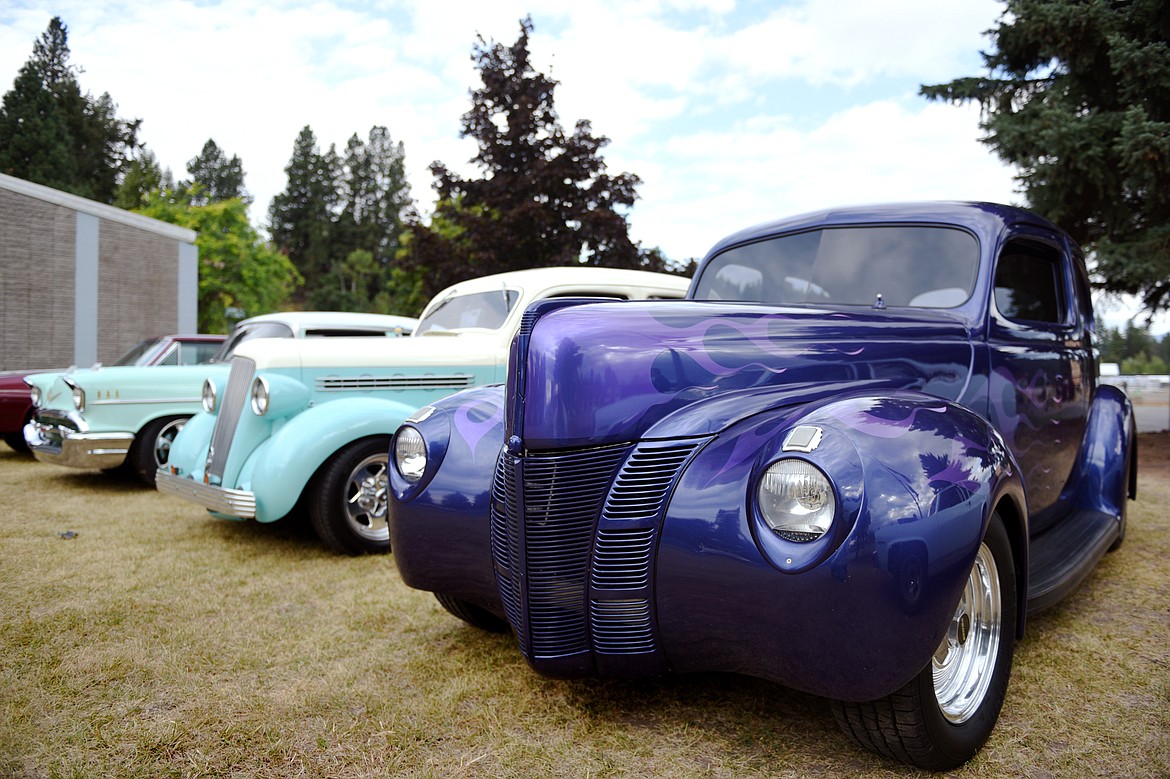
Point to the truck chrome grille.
(231, 408)
(573, 539)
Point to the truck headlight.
(208, 395)
(796, 500)
(410, 454)
(260, 396)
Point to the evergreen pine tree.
(53, 134)
(301, 217)
(1077, 97)
(215, 178)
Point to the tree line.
(1076, 96)
(345, 233)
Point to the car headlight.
(410, 454)
(260, 396)
(34, 394)
(208, 395)
(78, 395)
(796, 500)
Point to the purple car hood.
(609, 372)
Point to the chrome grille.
(622, 626)
(573, 540)
(621, 558)
(623, 551)
(369, 383)
(505, 535)
(641, 488)
(551, 535)
(231, 408)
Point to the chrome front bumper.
(234, 503)
(62, 445)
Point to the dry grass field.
(156, 641)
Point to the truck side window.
(1028, 284)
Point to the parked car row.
(310, 422)
(862, 449)
(127, 417)
(16, 407)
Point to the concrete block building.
(81, 282)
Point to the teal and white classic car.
(125, 418)
(309, 424)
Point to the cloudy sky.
(731, 112)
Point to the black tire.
(473, 615)
(17, 443)
(927, 723)
(152, 446)
(348, 498)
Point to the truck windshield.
(481, 310)
(916, 266)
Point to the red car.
(16, 404)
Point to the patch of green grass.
(159, 642)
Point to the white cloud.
(705, 101)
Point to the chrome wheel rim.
(964, 662)
(166, 437)
(365, 498)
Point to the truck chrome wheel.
(965, 661)
(365, 500)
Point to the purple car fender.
(854, 615)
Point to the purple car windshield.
(916, 266)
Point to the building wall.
(134, 297)
(37, 241)
(82, 282)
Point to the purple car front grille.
(573, 536)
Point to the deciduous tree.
(237, 268)
(544, 197)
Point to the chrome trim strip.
(120, 402)
(338, 384)
(234, 503)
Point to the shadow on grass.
(292, 534)
(728, 714)
(102, 482)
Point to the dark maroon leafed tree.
(544, 197)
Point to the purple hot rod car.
(870, 442)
